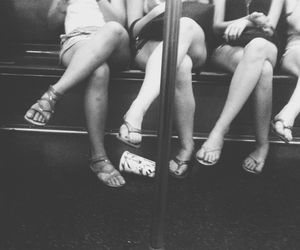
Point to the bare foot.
(283, 122)
(210, 151)
(255, 162)
(130, 130)
(41, 112)
(180, 164)
(106, 172)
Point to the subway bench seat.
(25, 76)
(29, 50)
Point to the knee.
(100, 77)
(189, 26)
(116, 30)
(266, 73)
(184, 72)
(260, 48)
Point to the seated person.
(95, 41)
(252, 67)
(148, 56)
(283, 122)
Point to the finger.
(239, 32)
(226, 33)
(232, 34)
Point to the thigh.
(68, 55)
(290, 62)
(227, 57)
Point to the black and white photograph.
(150, 124)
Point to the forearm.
(275, 12)
(135, 10)
(113, 11)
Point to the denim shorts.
(67, 41)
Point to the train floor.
(49, 200)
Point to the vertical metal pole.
(169, 64)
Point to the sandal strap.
(54, 93)
(52, 97)
(283, 123)
(257, 162)
(97, 159)
(41, 109)
(180, 162)
(132, 129)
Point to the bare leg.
(291, 64)
(262, 101)
(244, 80)
(87, 56)
(184, 115)
(95, 111)
(191, 42)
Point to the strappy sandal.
(256, 162)
(105, 177)
(207, 163)
(130, 130)
(273, 127)
(180, 163)
(52, 96)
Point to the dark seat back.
(25, 21)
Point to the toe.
(206, 157)
(172, 166)
(30, 113)
(288, 134)
(41, 119)
(200, 153)
(120, 180)
(113, 181)
(246, 162)
(135, 138)
(259, 167)
(252, 165)
(216, 156)
(181, 170)
(279, 128)
(36, 117)
(210, 157)
(123, 131)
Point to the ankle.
(96, 153)
(188, 145)
(288, 111)
(216, 133)
(262, 145)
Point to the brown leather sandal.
(52, 96)
(103, 176)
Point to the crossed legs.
(252, 72)
(191, 43)
(82, 60)
(87, 61)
